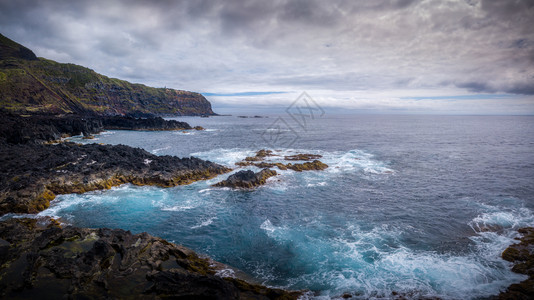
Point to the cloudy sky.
(400, 56)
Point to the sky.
(397, 56)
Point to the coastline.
(57, 261)
(74, 145)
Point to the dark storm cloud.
(481, 46)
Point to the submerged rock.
(257, 161)
(40, 259)
(303, 156)
(247, 179)
(315, 165)
(522, 255)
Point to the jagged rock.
(260, 155)
(40, 259)
(38, 129)
(33, 174)
(315, 165)
(307, 166)
(247, 179)
(522, 255)
(257, 161)
(303, 156)
(152, 123)
(264, 153)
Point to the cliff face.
(36, 85)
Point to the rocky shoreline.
(522, 256)
(34, 174)
(37, 129)
(41, 258)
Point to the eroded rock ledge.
(37, 129)
(522, 255)
(41, 259)
(247, 179)
(258, 161)
(33, 174)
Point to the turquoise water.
(420, 205)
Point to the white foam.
(205, 191)
(177, 208)
(374, 263)
(225, 273)
(223, 156)
(204, 223)
(495, 220)
(155, 151)
(183, 132)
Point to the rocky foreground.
(42, 260)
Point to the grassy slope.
(43, 85)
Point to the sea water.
(418, 206)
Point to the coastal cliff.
(30, 85)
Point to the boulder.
(247, 179)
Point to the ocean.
(418, 206)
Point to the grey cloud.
(474, 45)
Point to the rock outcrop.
(303, 156)
(258, 161)
(247, 179)
(32, 85)
(33, 174)
(42, 128)
(522, 255)
(43, 260)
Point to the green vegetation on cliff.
(36, 85)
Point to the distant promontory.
(33, 85)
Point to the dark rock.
(264, 153)
(308, 166)
(33, 174)
(522, 255)
(315, 165)
(153, 123)
(247, 179)
(11, 49)
(15, 129)
(303, 156)
(46, 261)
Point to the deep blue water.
(421, 205)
